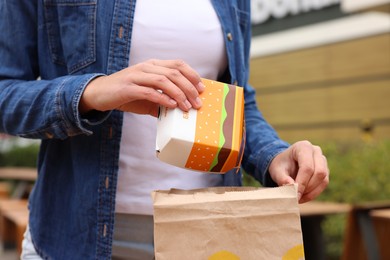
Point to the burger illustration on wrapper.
(210, 139)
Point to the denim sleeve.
(45, 109)
(262, 141)
(29, 107)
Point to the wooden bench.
(4, 189)
(362, 241)
(13, 222)
(20, 178)
(312, 215)
(381, 221)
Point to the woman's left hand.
(304, 164)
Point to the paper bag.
(228, 223)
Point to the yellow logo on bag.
(224, 255)
(295, 253)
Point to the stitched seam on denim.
(41, 132)
(76, 100)
(69, 4)
(277, 144)
(90, 55)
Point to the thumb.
(289, 181)
(282, 179)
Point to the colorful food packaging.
(210, 139)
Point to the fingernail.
(198, 102)
(187, 104)
(173, 102)
(299, 196)
(201, 87)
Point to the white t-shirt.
(172, 29)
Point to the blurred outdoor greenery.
(20, 156)
(359, 172)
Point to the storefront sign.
(263, 10)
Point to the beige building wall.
(339, 91)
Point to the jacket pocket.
(71, 30)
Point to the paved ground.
(8, 254)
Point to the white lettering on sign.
(262, 10)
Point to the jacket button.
(120, 34)
(104, 230)
(229, 36)
(107, 182)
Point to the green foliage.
(359, 172)
(248, 180)
(334, 231)
(20, 156)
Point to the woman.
(104, 68)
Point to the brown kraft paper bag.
(228, 223)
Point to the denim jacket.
(65, 44)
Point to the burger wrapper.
(228, 223)
(210, 139)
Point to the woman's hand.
(143, 87)
(304, 164)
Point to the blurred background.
(322, 73)
(321, 69)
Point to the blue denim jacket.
(67, 43)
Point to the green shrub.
(20, 156)
(359, 172)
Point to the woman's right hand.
(143, 87)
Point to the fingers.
(315, 192)
(320, 178)
(177, 88)
(146, 101)
(174, 78)
(302, 154)
(170, 83)
(185, 69)
(313, 172)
